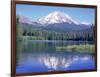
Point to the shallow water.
(42, 56)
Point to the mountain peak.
(23, 19)
(57, 17)
(59, 13)
(26, 20)
(56, 12)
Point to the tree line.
(42, 34)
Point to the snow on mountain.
(57, 17)
(23, 19)
(86, 23)
(26, 20)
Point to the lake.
(42, 56)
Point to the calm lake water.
(42, 56)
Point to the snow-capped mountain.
(26, 20)
(23, 19)
(57, 17)
(55, 20)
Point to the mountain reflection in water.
(43, 57)
(60, 62)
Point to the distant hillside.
(55, 26)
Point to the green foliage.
(54, 35)
(36, 38)
(43, 34)
(19, 30)
(79, 48)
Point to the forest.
(43, 34)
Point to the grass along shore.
(78, 48)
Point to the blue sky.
(36, 11)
